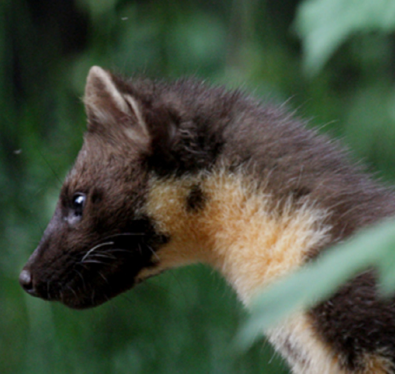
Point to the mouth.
(85, 289)
(102, 273)
(82, 302)
(82, 279)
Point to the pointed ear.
(117, 114)
(107, 106)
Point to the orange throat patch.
(251, 239)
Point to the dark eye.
(78, 203)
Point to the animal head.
(99, 238)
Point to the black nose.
(26, 281)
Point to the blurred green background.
(332, 61)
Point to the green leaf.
(324, 25)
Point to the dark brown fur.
(192, 128)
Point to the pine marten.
(171, 174)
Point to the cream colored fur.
(239, 233)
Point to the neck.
(237, 228)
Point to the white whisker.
(94, 248)
(118, 250)
(95, 262)
(103, 255)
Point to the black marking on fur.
(300, 192)
(291, 353)
(189, 154)
(196, 199)
(97, 196)
(356, 321)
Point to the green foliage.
(183, 321)
(325, 24)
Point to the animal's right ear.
(114, 112)
(108, 107)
